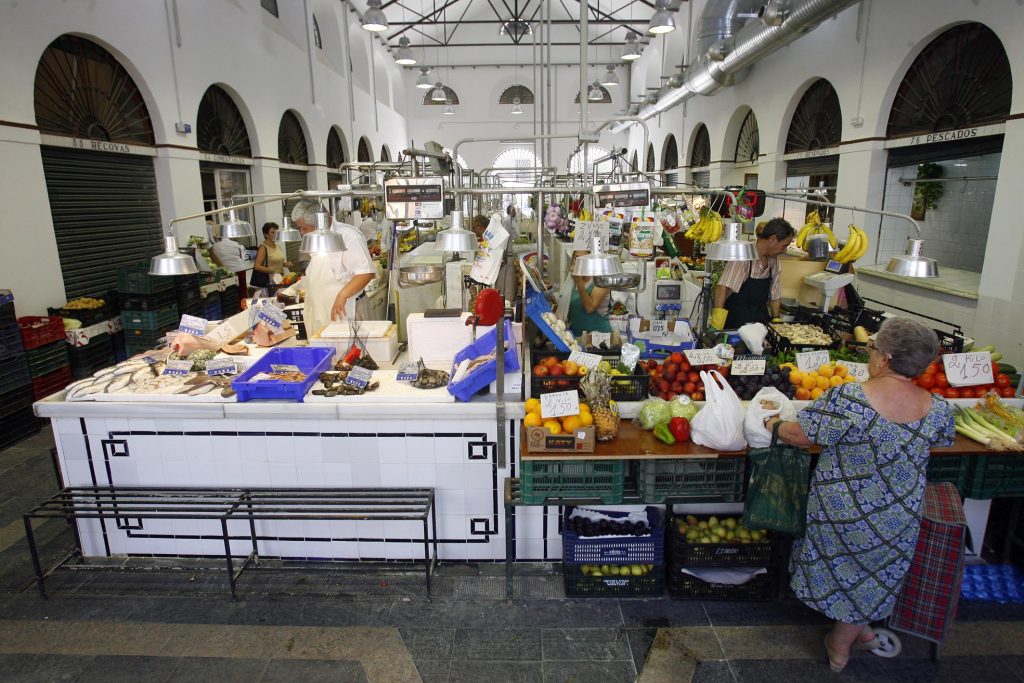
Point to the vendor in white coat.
(333, 281)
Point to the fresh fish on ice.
(118, 383)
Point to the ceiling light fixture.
(235, 228)
(322, 240)
(632, 51)
(595, 93)
(423, 82)
(516, 29)
(517, 107)
(663, 20)
(731, 247)
(287, 233)
(172, 262)
(374, 19)
(438, 94)
(404, 56)
(610, 78)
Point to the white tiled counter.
(451, 447)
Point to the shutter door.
(702, 178)
(292, 180)
(334, 179)
(813, 166)
(106, 214)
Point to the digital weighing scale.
(829, 282)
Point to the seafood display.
(142, 376)
(334, 385)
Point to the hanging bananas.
(812, 227)
(856, 246)
(708, 229)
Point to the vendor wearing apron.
(749, 291)
(333, 281)
(588, 305)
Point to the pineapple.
(597, 389)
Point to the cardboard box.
(582, 440)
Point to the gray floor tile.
(661, 612)
(503, 644)
(640, 640)
(313, 671)
(989, 611)
(589, 672)
(578, 644)
(41, 668)
(772, 612)
(429, 643)
(870, 669)
(713, 672)
(497, 672)
(489, 614)
(434, 670)
(219, 669)
(130, 669)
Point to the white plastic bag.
(719, 424)
(753, 423)
(752, 335)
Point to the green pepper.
(669, 245)
(663, 432)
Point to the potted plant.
(926, 195)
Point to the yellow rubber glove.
(718, 318)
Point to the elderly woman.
(864, 506)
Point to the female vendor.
(588, 307)
(748, 291)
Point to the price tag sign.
(968, 369)
(177, 367)
(748, 365)
(408, 372)
(810, 361)
(702, 357)
(359, 377)
(193, 325)
(285, 368)
(597, 338)
(221, 334)
(587, 360)
(659, 328)
(560, 404)
(150, 360)
(221, 366)
(858, 371)
(273, 316)
(585, 231)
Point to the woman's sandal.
(836, 661)
(872, 644)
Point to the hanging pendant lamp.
(404, 56)
(663, 20)
(374, 20)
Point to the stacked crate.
(606, 565)
(47, 354)
(211, 304)
(186, 290)
(230, 298)
(149, 307)
(91, 346)
(17, 420)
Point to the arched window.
(606, 97)
(700, 157)
(748, 141)
(82, 91)
(516, 166)
(363, 153)
(670, 156)
(450, 95)
(961, 79)
(336, 154)
(650, 165)
(509, 95)
(291, 141)
(317, 40)
(220, 128)
(385, 153)
(575, 164)
(817, 122)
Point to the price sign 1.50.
(968, 369)
(559, 404)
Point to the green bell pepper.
(663, 432)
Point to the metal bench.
(224, 505)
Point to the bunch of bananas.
(814, 226)
(708, 229)
(855, 247)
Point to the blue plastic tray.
(536, 305)
(648, 549)
(310, 360)
(488, 372)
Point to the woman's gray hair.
(909, 345)
(305, 210)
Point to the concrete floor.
(180, 626)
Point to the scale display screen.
(834, 267)
(625, 195)
(665, 292)
(416, 198)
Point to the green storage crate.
(162, 319)
(135, 279)
(46, 359)
(995, 475)
(573, 479)
(952, 468)
(699, 480)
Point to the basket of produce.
(697, 480)
(685, 586)
(801, 336)
(40, 330)
(603, 480)
(674, 376)
(613, 581)
(593, 536)
(710, 541)
(539, 311)
(552, 374)
(87, 310)
(286, 373)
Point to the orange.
(795, 377)
(835, 381)
(533, 420)
(840, 370)
(809, 381)
(552, 426)
(571, 423)
(533, 405)
(816, 394)
(586, 419)
(826, 370)
(549, 361)
(823, 383)
(802, 394)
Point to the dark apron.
(750, 304)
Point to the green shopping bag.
(777, 491)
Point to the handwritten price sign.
(559, 404)
(702, 357)
(585, 231)
(968, 369)
(858, 371)
(659, 328)
(809, 361)
(748, 366)
(587, 360)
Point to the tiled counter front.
(294, 445)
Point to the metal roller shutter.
(106, 214)
(292, 180)
(827, 165)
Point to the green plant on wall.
(927, 195)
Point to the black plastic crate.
(97, 354)
(119, 351)
(684, 554)
(162, 320)
(7, 314)
(16, 399)
(14, 373)
(10, 340)
(995, 475)
(578, 585)
(955, 469)
(46, 359)
(148, 302)
(778, 343)
(186, 282)
(135, 279)
(951, 342)
(686, 587)
(18, 426)
(704, 480)
(89, 316)
(624, 387)
(229, 300)
(213, 312)
(188, 297)
(649, 549)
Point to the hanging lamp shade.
(731, 247)
(594, 93)
(404, 56)
(912, 263)
(632, 51)
(517, 108)
(455, 238)
(322, 240)
(610, 78)
(287, 233)
(374, 19)
(663, 20)
(596, 263)
(438, 94)
(235, 228)
(172, 262)
(423, 82)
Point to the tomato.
(697, 396)
(940, 380)
(684, 366)
(932, 368)
(951, 392)
(979, 392)
(1007, 392)
(1002, 380)
(693, 377)
(937, 391)
(926, 381)
(676, 358)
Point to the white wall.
(263, 61)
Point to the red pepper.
(353, 354)
(680, 428)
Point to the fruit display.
(584, 526)
(84, 303)
(809, 386)
(566, 424)
(747, 386)
(803, 333)
(616, 569)
(715, 530)
(596, 387)
(855, 247)
(934, 380)
(552, 366)
(708, 229)
(674, 376)
(814, 226)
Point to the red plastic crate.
(51, 383)
(40, 330)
